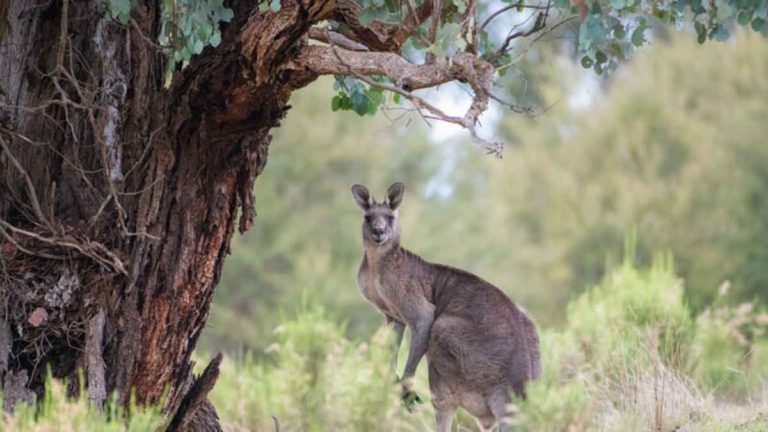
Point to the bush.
(731, 348)
(59, 413)
(631, 357)
(317, 380)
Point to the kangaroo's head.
(380, 226)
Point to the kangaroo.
(480, 346)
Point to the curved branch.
(379, 36)
(465, 67)
(324, 60)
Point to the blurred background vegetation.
(672, 147)
(630, 217)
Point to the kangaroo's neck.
(395, 258)
(375, 253)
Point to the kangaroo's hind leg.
(443, 400)
(444, 416)
(498, 403)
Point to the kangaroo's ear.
(395, 195)
(362, 197)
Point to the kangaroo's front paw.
(409, 397)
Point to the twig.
(30, 186)
(517, 5)
(25, 250)
(91, 249)
(541, 22)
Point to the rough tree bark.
(119, 195)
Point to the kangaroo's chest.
(377, 290)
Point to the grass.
(58, 413)
(631, 357)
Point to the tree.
(132, 132)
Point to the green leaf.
(359, 103)
(701, 32)
(720, 34)
(335, 103)
(760, 25)
(226, 14)
(375, 95)
(595, 29)
(638, 35)
(724, 11)
(198, 47)
(619, 32)
(618, 4)
(600, 57)
(744, 18)
(215, 39)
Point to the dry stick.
(508, 8)
(30, 186)
(541, 22)
(61, 155)
(436, 9)
(63, 32)
(25, 250)
(196, 395)
(91, 250)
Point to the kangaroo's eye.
(390, 219)
(368, 219)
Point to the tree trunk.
(119, 195)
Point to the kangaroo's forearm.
(419, 340)
(399, 329)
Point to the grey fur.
(480, 345)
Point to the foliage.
(622, 362)
(317, 380)
(619, 364)
(610, 30)
(59, 413)
(731, 346)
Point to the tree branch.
(407, 76)
(379, 36)
(324, 60)
(334, 38)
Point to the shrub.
(317, 380)
(59, 413)
(629, 355)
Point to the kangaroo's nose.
(378, 231)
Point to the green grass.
(58, 413)
(631, 357)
